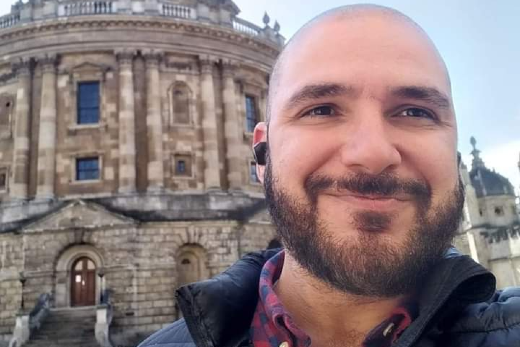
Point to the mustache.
(385, 185)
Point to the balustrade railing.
(170, 10)
(67, 8)
(9, 20)
(246, 27)
(88, 7)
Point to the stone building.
(125, 160)
(490, 230)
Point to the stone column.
(154, 122)
(20, 184)
(209, 126)
(127, 150)
(47, 133)
(235, 163)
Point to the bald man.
(359, 163)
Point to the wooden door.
(83, 283)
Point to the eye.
(320, 111)
(415, 112)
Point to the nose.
(370, 146)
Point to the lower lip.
(371, 204)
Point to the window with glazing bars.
(251, 113)
(88, 102)
(87, 169)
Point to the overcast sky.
(480, 43)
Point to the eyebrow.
(428, 94)
(317, 91)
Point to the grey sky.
(478, 40)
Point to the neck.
(328, 315)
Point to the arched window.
(181, 103)
(191, 264)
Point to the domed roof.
(485, 181)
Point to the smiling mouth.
(372, 202)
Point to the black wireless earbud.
(259, 152)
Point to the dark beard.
(371, 265)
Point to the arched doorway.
(83, 282)
(191, 264)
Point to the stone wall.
(11, 263)
(140, 263)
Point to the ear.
(260, 135)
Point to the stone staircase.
(68, 327)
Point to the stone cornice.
(146, 23)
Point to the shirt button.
(389, 329)
(284, 344)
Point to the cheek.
(439, 169)
(295, 156)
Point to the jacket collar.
(219, 311)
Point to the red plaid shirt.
(272, 325)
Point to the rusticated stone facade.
(171, 197)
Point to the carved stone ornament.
(48, 62)
(125, 56)
(229, 68)
(153, 57)
(22, 66)
(206, 63)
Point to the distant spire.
(477, 161)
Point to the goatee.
(371, 264)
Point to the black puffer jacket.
(458, 307)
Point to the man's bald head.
(344, 13)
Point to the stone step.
(76, 328)
(62, 335)
(63, 343)
(66, 327)
(72, 322)
(72, 312)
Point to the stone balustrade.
(246, 27)
(9, 20)
(32, 11)
(177, 11)
(75, 8)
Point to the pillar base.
(127, 191)
(155, 190)
(44, 198)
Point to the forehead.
(370, 51)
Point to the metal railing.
(87, 7)
(170, 10)
(246, 27)
(9, 20)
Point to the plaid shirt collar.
(272, 326)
